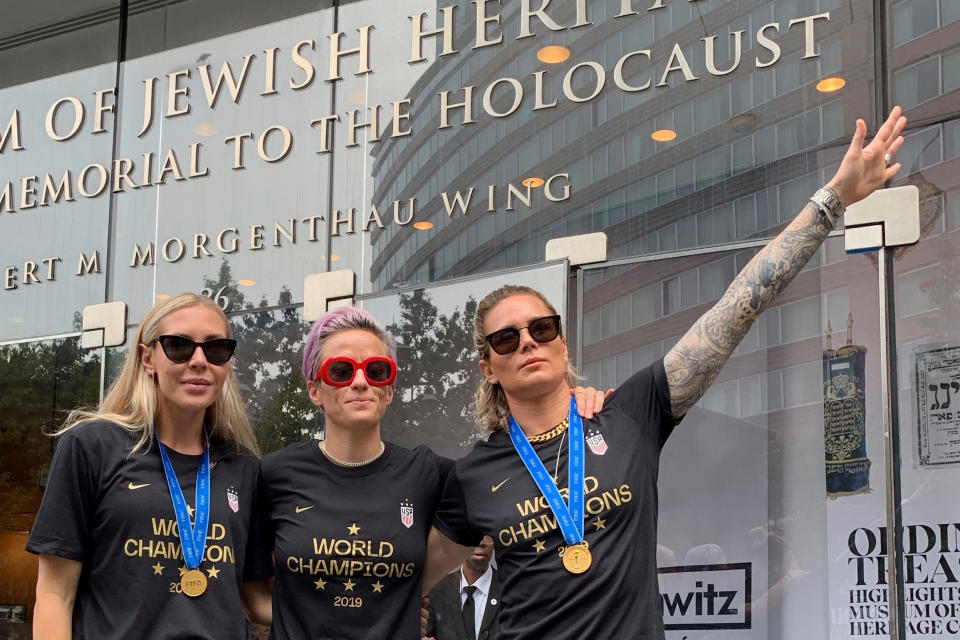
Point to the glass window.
(913, 18)
(952, 211)
(951, 70)
(671, 295)
(689, 289)
(951, 140)
(43, 39)
(801, 319)
(712, 166)
(803, 384)
(832, 119)
(715, 278)
(647, 305)
(949, 11)
(916, 291)
(917, 83)
(43, 382)
(717, 225)
(921, 148)
(743, 155)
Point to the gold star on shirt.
(539, 545)
(183, 570)
(190, 511)
(377, 587)
(320, 584)
(158, 569)
(349, 585)
(213, 572)
(599, 523)
(353, 529)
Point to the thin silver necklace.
(556, 469)
(350, 465)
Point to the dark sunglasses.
(180, 349)
(504, 341)
(340, 371)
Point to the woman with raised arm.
(347, 517)
(143, 528)
(571, 504)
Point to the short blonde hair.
(490, 403)
(131, 401)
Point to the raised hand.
(865, 169)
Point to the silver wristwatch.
(829, 203)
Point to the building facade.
(419, 154)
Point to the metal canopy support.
(104, 325)
(324, 291)
(582, 249)
(888, 218)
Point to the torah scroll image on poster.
(938, 405)
(844, 421)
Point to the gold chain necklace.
(350, 465)
(550, 435)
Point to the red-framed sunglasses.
(341, 370)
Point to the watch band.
(829, 203)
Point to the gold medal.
(577, 558)
(194, 583)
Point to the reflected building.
(689, 132)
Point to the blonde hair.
(131, 401)
(490, 403)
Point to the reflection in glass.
(438, 372)
(41, 382)
(35, 36)
(267, 366)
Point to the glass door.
(772, 488)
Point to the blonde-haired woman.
(577, 551)
(144, 524)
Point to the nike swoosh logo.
(134, 487)
(494, 488)
(302, 509)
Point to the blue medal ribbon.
(569, 519)
(193, 540)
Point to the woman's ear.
(146, 359)
(313, 389)
(487, 371)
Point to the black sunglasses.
(545, 329)
(180, 349)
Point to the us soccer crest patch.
(596, 443)
(406, 513)
(233, 499)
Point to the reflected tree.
(436, 378)
(270, 345)
(42, 383)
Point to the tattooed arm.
(694, 363)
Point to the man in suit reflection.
(465, 605)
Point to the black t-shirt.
(111, 510)
(349, 543)
(618, 596)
